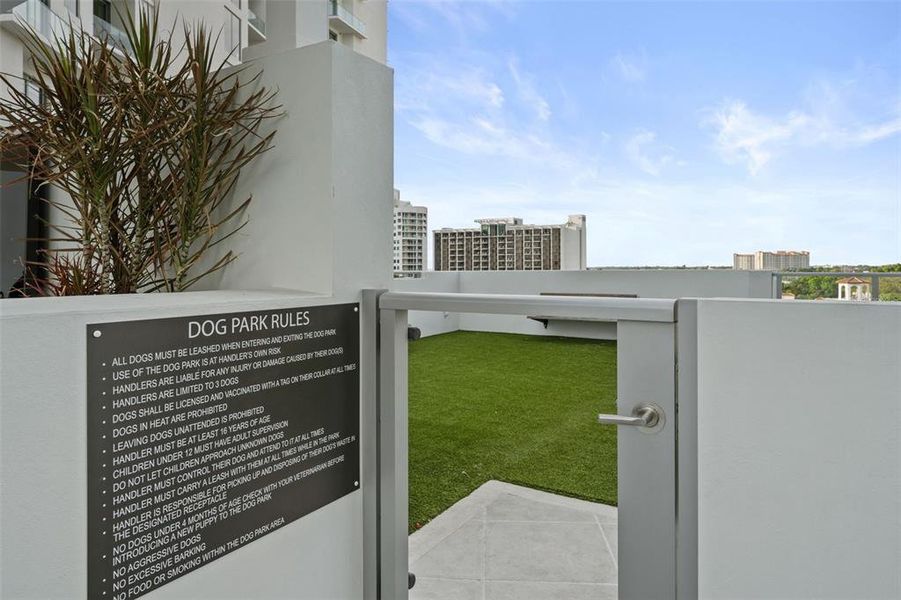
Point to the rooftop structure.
(506, 244)
(854, 288)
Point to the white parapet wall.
(799, 449)
(641, 283)
(431, 323)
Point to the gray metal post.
(686, 449)
(369, 468)
(874, 287)
(393, 444)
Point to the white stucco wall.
(321, 214)
(374, 13)
(11, 55)
(799, 449)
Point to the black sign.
(206, 433)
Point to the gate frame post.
(646, 462)
(393, 475)
(369, 438)
(649, 344)
(687, 448)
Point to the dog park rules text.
(208, 432)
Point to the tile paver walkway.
(506, 542)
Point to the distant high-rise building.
(743, 262)
(781, 260)
(410, 238)
(509, 245)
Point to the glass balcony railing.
(346, 17)
(109, 33)
(256, 22)
(35, 15)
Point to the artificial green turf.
(515, 408)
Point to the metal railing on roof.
(869, 278)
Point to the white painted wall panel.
(799, 449)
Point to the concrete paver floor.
(506, 542)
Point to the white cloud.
(525, 85)
(482, 135)
(482, 105)
(426, 89)
(875, 133)
(631, 68)
(643, 150)
(742, 135)
(464, 18)
(479, 135)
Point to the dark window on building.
(103, 9)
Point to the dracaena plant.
(147, 141)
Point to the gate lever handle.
(642, 416)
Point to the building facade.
(781, 260)
(411, 229)
(509, 245)
(743, 262)
(248, 29)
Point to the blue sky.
(685, 131)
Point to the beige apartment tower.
(508, 245)
(411, 227)
(743, 262)
(781, 260)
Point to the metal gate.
(656, 539)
